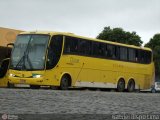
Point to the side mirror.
(10, 44)
(9, 49)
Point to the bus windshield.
(29, 52)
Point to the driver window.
(54, 51)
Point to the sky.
(82, 17)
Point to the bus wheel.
(131, 86)
(153, 90)
(34, 86)
(121, 85)
(64, 83)
(10, 85)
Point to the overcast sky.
(82, 17)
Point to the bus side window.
(123, 53)
(132, 54)
(105, 51)
(102, 49)
(147, 57)
(98, 49)
(117, 52)
(71, 45)
(139, 56)
(111, 51)
(95, 48)
(84, 47)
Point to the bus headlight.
(37, 76)
(12, 75)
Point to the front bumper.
(28, 81)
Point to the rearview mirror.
(10, 44)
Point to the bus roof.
(88, 38)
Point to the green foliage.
(154, 44)
(121, 36)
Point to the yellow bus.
(63, 60)
(3, 70)
(7, 36)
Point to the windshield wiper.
(25, 55)
(22, 58)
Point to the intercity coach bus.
(64, 60)
(7, 37)
(4, 62)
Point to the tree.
(154, 44)
(121, 36)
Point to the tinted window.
(117, 52)
(131, 54)
(111, 51)
(123, 53)
(99, 49)
(141, 56)
(84, 47)
(54, 51)
(71, 45)
(144, 56)
(148, 56)
(80, 46)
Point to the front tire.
(64, 83)
(121, 85)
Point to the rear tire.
(64, 83)
(153, 90)
(121, 85)
(131, 86)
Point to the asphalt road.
(43, 101)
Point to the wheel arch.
(120, 78)
(68, 75)
(130, 80)
(121, 86)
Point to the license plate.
(22, 81)
(22, 85)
